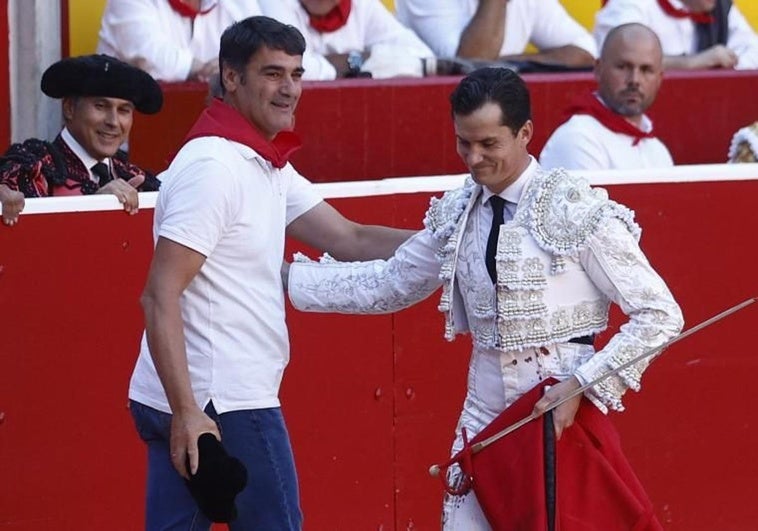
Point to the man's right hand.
(718, 56)
(13, 203)
(125, 191)
(186, 427)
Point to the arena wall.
(371, 402)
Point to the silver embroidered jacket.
(566, 254)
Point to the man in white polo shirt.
(499, 29)
(608, 129)
(216, 343)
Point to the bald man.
(608, 128)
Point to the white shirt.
(395, 50)
(221, 199)
(544, 23)
(151, 35)
(583, 143)
(677, 35)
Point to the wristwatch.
(354, 61)
(354, 64)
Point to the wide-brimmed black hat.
(219, 478)
(102, 75)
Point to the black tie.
(498, 204)
(102, 171)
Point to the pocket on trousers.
(150, 423)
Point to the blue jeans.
(258, 438)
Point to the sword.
(434, 470)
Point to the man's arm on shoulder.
(324, 228)
(172, 269)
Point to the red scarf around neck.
(333, 20)
(188, 11)
(589, 104)
(221, 119)
(700, 18)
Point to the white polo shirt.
(583, 143)
(677, 35)
(223, 200)
(544, 23)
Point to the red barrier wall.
(366, 129)
(371, 401)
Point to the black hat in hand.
(219, 478)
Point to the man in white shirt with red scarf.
(694, 34)
(172, 40)
(352, 38)
(608, 129)
(216, 346)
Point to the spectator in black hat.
(100, 94)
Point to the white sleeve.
(132, 31)
(574, 149)
(394, 49)
(618, 267)
(378, 286)
(198, 204)
(554, 27)
(614, 14)
(742, 40)
(439, 23)
(383, 28)
(301, 194)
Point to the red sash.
(220, 119)
(700, 18)
(334, 19)
(590, 105)
(188, 11)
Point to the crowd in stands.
(178, 40)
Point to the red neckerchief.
(221, 119)
(590, 105)
(188, 11)
(700, 18)
(333, 20)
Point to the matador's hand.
(13, 203)
(125, 191)
(563, 415)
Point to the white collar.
(81, 153)
(513, 193)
